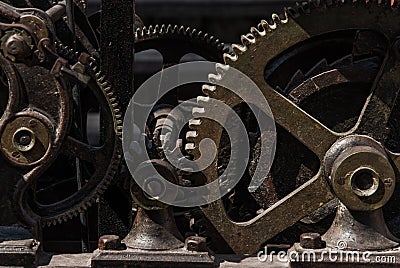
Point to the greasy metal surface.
(258, 48)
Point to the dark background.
(226, 19)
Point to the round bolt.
(25, 140)
(33, 123)
(311, 241)
(196, 243)
(16, 46)
(109, 242)
(388, 182)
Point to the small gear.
(173, 43)
(297, 57)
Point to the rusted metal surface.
(137, 258)
(109, 242)
(154, 230)
(253, 57)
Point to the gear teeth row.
(66, 52)
(113, 168)
(149, 31)
(249, 39)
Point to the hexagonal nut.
(196, 243)
(109, 242)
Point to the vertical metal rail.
(117, 58)
(117, 45)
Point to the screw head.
(311, 241)
(109, 242)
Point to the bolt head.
(25, 140)
(196, 243)
(109, 242)
(16, 46)
(311, 241)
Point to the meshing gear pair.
(330, 73)
(99, 163)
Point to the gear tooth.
(193, 123)
(107, 89)
(208, 89)
(238, 49)
(175, 29)
(320, 66)
(169, 28)
(265, 25)
(297, 78)
(247, 40)
(214, 78)
(202, 99)
(198, 112)
(345, 61)
(150, 30)
(163, 29)
(191, 134)
(110, 94)
(211, 40)
(221, 68)
(256, 32)
(230, 57)
(181, 30)
(190, 147)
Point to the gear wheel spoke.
(83, 151)
(300, 203)
(380, 103)
(317, 137)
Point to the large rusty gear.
(270, 50)
(100, 162)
